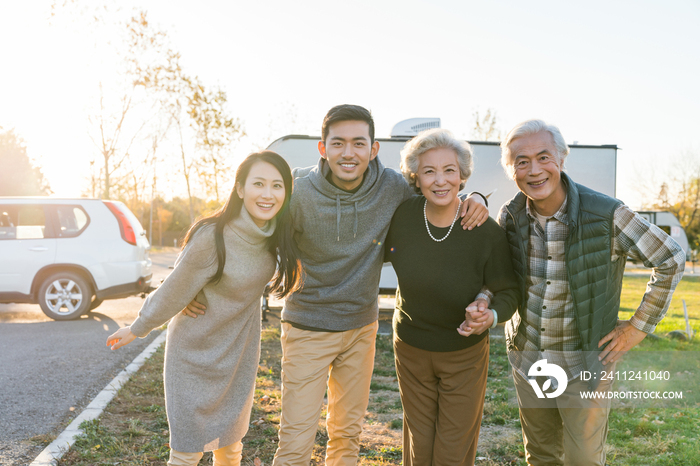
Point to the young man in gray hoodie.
(341, 212)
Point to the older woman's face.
(438, 176)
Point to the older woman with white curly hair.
(441, 362)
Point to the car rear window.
(22, 222)
(72, 220)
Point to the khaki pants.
(566, 430)
(443, 402)
(343, 360)
(226, 456)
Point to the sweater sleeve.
(499, 277)
(485, 293)
(388, 244)
(193, 269)
(406, 191)
(397, 225)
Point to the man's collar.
(561, 214)
(329, 177)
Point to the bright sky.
(623, 72)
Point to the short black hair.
(347, 112)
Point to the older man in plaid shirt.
(569, 245)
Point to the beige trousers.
(227, 456)
(443, 401)
(310, 360)
(566, 430)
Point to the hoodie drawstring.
(337, 216)
(337, 209)
(354, 229)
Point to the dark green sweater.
(438, 280)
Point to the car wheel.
(65, 296)
(95, 302)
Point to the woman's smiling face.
(263, 192)
(438, 176)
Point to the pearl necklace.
(427, 227)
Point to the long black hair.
(287, 279)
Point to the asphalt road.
(50, 370)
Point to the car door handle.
(39, 248)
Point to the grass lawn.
(688, 290)
(134, 430)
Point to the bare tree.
(191, 106)
(108, 140)
(171, 87)
(215, 132)
(116, 124)
(152, 96)
(677, 190)
(186, 164)
(486, 126)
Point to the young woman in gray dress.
(227, 259)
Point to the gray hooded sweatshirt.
(340, 236)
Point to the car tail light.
(125, 228)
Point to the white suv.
(68, 255)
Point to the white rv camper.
(593, 166)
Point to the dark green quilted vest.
(595, 281)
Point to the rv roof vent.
(413, 126)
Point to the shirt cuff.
(642, 325)
(495, 318)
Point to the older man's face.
(538, 172)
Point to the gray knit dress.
(211, 361)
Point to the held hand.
(480, 305)
(121, 337)
(194, 308)
(478, 319)
(473, 212)
(623, 338)
(464, 329)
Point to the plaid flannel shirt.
(549, 316)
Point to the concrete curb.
(56, 449)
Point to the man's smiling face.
(537, 171)
(348, 150)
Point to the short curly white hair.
(434, 139)
(528, 128)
